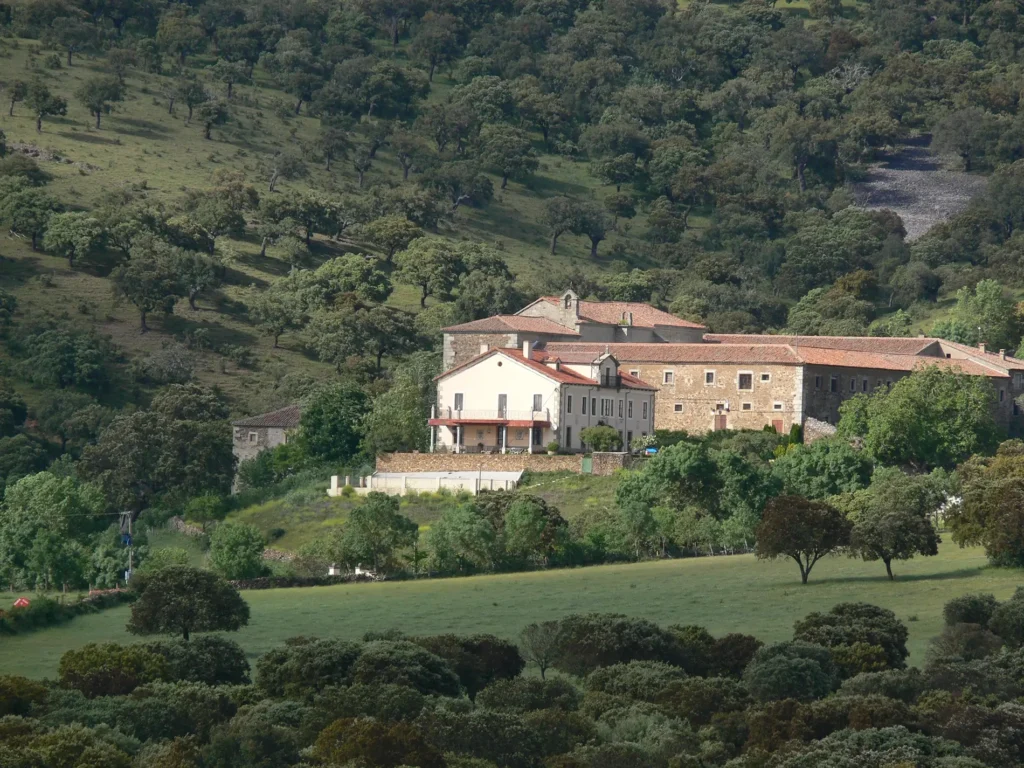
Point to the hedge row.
(282, 582)
(44, 612)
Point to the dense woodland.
(219, 208)
(585, 691)
(360, 158)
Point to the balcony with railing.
(449, 416)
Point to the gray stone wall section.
(460, 348)
(249, 442)
(608, 463)
(461, 462)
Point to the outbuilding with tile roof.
(254, 434)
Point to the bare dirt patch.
(913, 182)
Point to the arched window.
(568, 301)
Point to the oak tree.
(803, 530)
(180, 600)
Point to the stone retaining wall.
(608, 463)
(462, 462)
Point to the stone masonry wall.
(246, 448)
(687, 403)
(463, 347)
(822, 398)
(468, 462)
(608, 463)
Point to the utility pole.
(127, 540)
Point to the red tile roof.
(844, 358)
(511, 324)
(284, 418)
(988, 357)
(611, 313)
(575, 352)
(761, 354)
(561, 375)
(889, 345)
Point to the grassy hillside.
(306, 512)
(725, 594)
(140, 142)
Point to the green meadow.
(725, 594)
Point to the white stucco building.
(512, 401)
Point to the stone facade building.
(566, 318)
(708, 381)
(255, 434)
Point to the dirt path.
(913, 183)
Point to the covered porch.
(493, 433)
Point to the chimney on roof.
(483, 347)
(920, 335)
(1002, 354)
(526, 349)
(981, 346)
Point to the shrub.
(1008, 620)
(19, 694)
(558, 731)
(236, 551)
(903, 684)
(698, 699)
(601, 438)
(639, 680)
(164, 558)
(523, 694)
(478, 660)
(586, 642)
(965, 641)
(111, 669)
(404, 663)
(792, 670)
(209, 659)
(848, 624)
(731, 654)
(304, 666)
(368, 742)
(497, 736)
(388, 703)
(970, 609)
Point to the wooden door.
(777, 425)
(720, 421)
